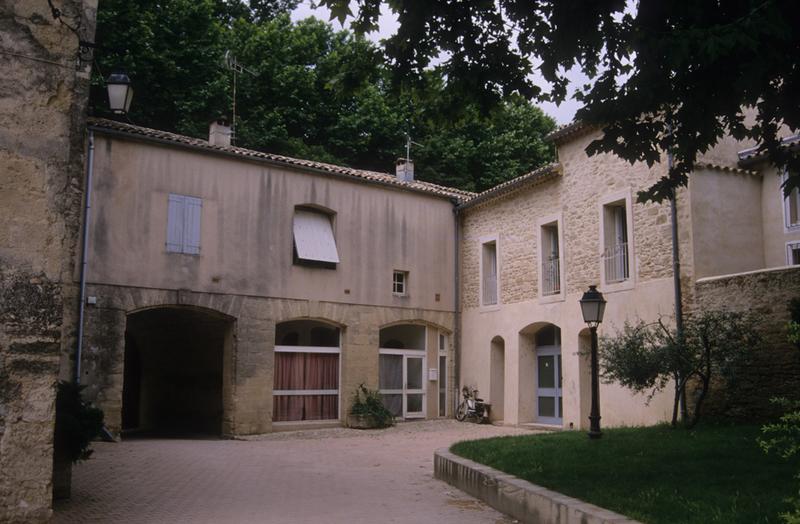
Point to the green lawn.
(655, 474)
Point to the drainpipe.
(676, 274)
(84, 256)
(457, 297)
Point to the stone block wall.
(775, 368)
(248, 361)
(575, 194)
(42, 111)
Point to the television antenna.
(231, 63)
(409, 143)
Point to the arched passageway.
(540, 374)
(173, 373)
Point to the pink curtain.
(305, 371)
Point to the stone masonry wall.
(42, 111)
(248, 401)
(775, 369)
(576, 194)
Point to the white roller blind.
(313, 237)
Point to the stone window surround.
(558, 220)
(494, 237)
(610, 198)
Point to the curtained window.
(306, 386)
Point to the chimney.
(219, 132)
(404, 168)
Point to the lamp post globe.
(120, 92)
(593, 306)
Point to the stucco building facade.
(236, 292)
(532, 246)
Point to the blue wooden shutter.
(191, 237)
(175, 223)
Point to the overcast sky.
(388, 26)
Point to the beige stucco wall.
(246, 230)
(42, 110)
(776, 234)
(576, 199)
(248, 363)
(728, 235)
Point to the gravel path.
(316, 476)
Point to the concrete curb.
(519, 498)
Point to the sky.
(563, 114)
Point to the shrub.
(77, 423)
(368, 403)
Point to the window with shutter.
(314, 243)
(183, 224)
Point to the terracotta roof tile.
(538, 175)
(121, 128)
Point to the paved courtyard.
(315, 476)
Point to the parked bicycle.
(472, 407)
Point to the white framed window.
(615, 242)
(550, 254)
(314, 242)
(183, 224)
(489, 280)
(791, 206)
(793, 253)
(442, 375)
(400, 283)
(307, 372)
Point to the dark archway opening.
(173, 377)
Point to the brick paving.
(316, 476)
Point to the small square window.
(793, 254)
(400, 283)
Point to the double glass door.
(402, 382)
(548, 387)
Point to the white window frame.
(608, 200)
(187, 244)
(442, 374)
(303, 392)
(409, 353)
(792, 245)
(404, 283)
(481, 243)
(786, 205)
(543, 222)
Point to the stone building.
(236, 292)
(532, 246)
(42, 109)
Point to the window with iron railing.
(489, 274)
(616, 264)
(551, 267)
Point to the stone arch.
(539, 370)
(177, 370)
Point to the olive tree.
(648, 357)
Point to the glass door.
(548, 374)
(415, 384)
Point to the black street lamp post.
(593, 305)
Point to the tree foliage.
(647, 357)
(310, 92)
(675, 75)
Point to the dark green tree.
(647, 357)
(675, 75)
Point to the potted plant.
(77, 423)
(368, 411)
